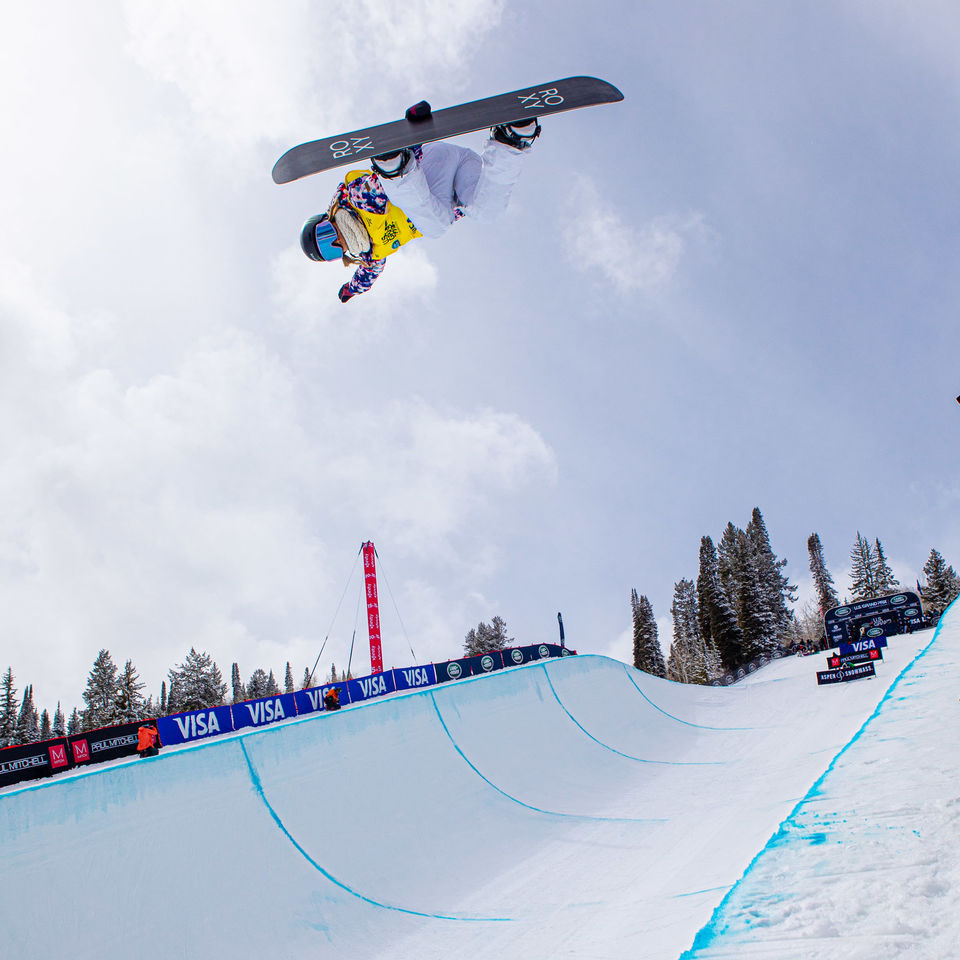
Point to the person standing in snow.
(411, 193)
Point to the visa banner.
(366, 688)
(256, 713)
(862, 646)
(194, 725)
(409, 678)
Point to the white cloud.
(282, 71)
(211, 503)
(642, 256)
(305, 294)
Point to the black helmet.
(319, 239)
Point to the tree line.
(740, 605)
(116, 695)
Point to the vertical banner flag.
(373, 606)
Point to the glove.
(345, 294)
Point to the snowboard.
(345, 148)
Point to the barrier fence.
(34, 760)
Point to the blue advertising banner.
(862, 646)
(255, 713)
(195, 725)
(409, 678)
(309, 701)
(365, 688)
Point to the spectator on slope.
(331, 699)
(148, 739)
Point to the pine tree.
(239, 693)
(863, 572)
(199, 683)
(486, 637)
(172, 696)
(46, 727)
(723, 629)
(647, 655)
(942, 584)
(826, 594)
(775, 588)
(259, 684)
(288, 686)
(163, 698)
(59, 722)
(756, 621)
(727, 551)
(307, 679)
(692, 659)
(333, 673)
(129, 701)
(8, 709)
(885, 582)
(74, 724)
(101, 693)
(273, 688)
(28, 723)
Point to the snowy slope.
(868, 863)
(573, 808)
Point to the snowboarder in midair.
(415, 192)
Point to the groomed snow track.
(570, 808)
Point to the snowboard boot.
(519, 135)
(395, 164)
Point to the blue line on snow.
(549, 813)
(258, 786)
(699, 726)
(708, 932)
(669, 763)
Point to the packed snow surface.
(571, 808)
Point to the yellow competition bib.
(388, 231)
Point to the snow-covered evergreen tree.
(288, 686)
(129, 701)
(197, 682)
(863, 571)
(28, 722)
(259, 684)
(74, 724)
(885, 581)
(757, 623)
(827, 596)
(164, 705)
(486, 637)
(100, 695)
(273, 688)
(239, 692)
(46, 727)
(942, 585)
(775, 588)
(727, 550)
(59, 722)
(647, 655)
(8, 709)
(692, 658)
(307, 679)
(722, 627)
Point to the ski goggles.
(328, 242)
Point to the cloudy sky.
(737, 287)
